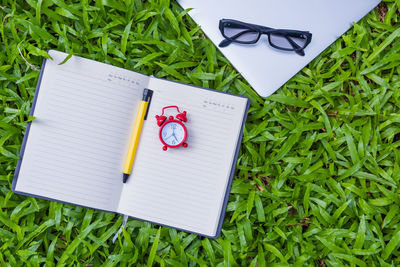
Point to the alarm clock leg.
(185, 144)
(164, 148)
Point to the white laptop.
(264, 67)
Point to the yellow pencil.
(137, 129)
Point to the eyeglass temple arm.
(225, 43)
(266, 29)
(297, 48)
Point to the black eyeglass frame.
(264, 30)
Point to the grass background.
(317, 181)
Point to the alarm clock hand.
(175, 137)
(168, 136)
(173, 134)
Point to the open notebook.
(74, 150)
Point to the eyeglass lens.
(240, 33)
(283, 41)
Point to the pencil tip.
(125, 177)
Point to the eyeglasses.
(236, 31)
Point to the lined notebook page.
(185, 187)
(77, 142)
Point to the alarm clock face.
(173, 133)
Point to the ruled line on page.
(71, 161)
(218, 115)
(169, 221)
(173, 203)
(85, 158)
(60, 194)
(74, 127)
(61, 133)
(73, 111)
(95, 80)
(88, 88)
(93, 103)
(81, 152)
(71, 141)
(154, 157)
(78, 172)
(181, 177)
(78, 91)
(91, 92)
(58, 181)
(189, 184)
(167, 210)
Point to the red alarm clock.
(173, 131)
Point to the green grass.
(317, 181)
